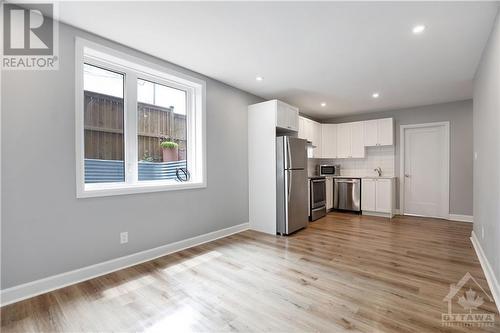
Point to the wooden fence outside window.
(104, 129)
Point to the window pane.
(103, 119)
(162, 131)
(145, 91)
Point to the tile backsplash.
(382, 157)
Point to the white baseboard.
(369, 213)
(30, 289)
(460, 218)
(488, 271)
(451, 217)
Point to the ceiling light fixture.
(376, 95)
(323, 104)
(259, 78)
(418, 29)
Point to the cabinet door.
(293, 119)
(370, 132)
(316, 139)
(308, 130)
(368, 194)
(329, 193)
(384, 196)
(329, 140)
(281, 115)
(357, 141)
(286, 116)
(385, 132)
(302, 133)
(343, 140)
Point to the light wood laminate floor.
(343, 273)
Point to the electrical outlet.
(482, 232)
(124, 237)
(475, 156)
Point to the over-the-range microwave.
(329, 170)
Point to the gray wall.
(487, 147)
(46, 230)
(459, 114)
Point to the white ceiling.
(308, 53)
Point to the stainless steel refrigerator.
(291, 184)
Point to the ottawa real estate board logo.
(467, 305)
(30, 36)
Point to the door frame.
(446, 126)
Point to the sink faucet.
(379, 171)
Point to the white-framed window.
(140, 127)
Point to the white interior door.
(425, 171)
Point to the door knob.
(407, 175)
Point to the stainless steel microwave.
(329, 170)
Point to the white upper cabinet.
(310, 130)
(371, 132)
(343, 140)
(329, 140)
(287, 116)
(350, 143)
(357, 141)
(305, 129)
(316, 139)
(385, 131)
(302, 128)
(379, 132)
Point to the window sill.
(104, 190)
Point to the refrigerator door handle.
(289, 185)
(286, 201)
(287, 165)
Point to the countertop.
(362, 177)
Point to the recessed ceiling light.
(418, 29)
(323, 104)
(376, 95)
(259, 78)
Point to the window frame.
(134, 68)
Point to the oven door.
(318, 193)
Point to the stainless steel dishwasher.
(347, 194)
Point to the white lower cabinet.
(329, 193)
(383, 195)
(377, 196)
(368, 194)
